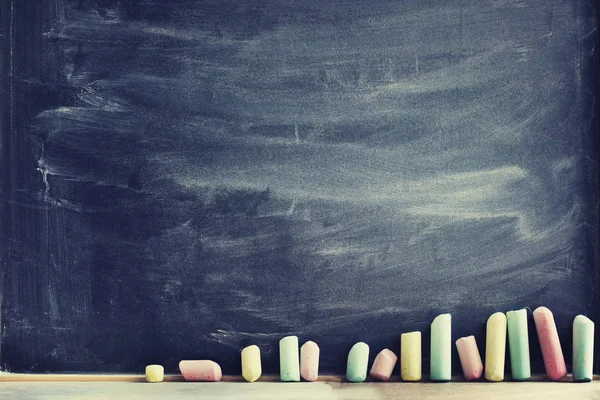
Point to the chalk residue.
(340, 170)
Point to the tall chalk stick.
(309, 361)
(410, 356)
(289, 359)
(495, 347)
(251, 365)
(441, 348)
(554, 359)
(583, 349)
(518, 343)
(358, 362)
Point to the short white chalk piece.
(155, 373)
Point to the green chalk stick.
(583, 349)
(518, 343)
(441, 348)
(289, 359)
(358, 360)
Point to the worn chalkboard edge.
(7, 107)
(594, 148)
(8, 377)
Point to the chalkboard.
(180, 179)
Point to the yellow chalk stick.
(155, 373)
(251, 366)
(495, 347)
(410, 356)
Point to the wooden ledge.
(83, 377)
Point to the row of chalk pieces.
(515, 322)
(304, 364)
(191, 370)
(498, 324)
(290, 365)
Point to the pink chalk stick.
(551, 350)
(383, 365)
(200, 370)
(309, 361)
(470, 360)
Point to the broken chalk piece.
(495, 347)
(309, 361)
(384, 365)
(251, 365)
(518, 343)
(441, 348)
(550, 344)
(583, 349)
(470, 360)
(155, 373)
(358, 362)
(200, 370)
(410, 356)
(289, 359)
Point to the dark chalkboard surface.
(182, 178)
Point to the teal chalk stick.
(358, 360)
(583, 349)
(518, 343)
(289, 359)
(441, 348)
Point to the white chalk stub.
(155, 373)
